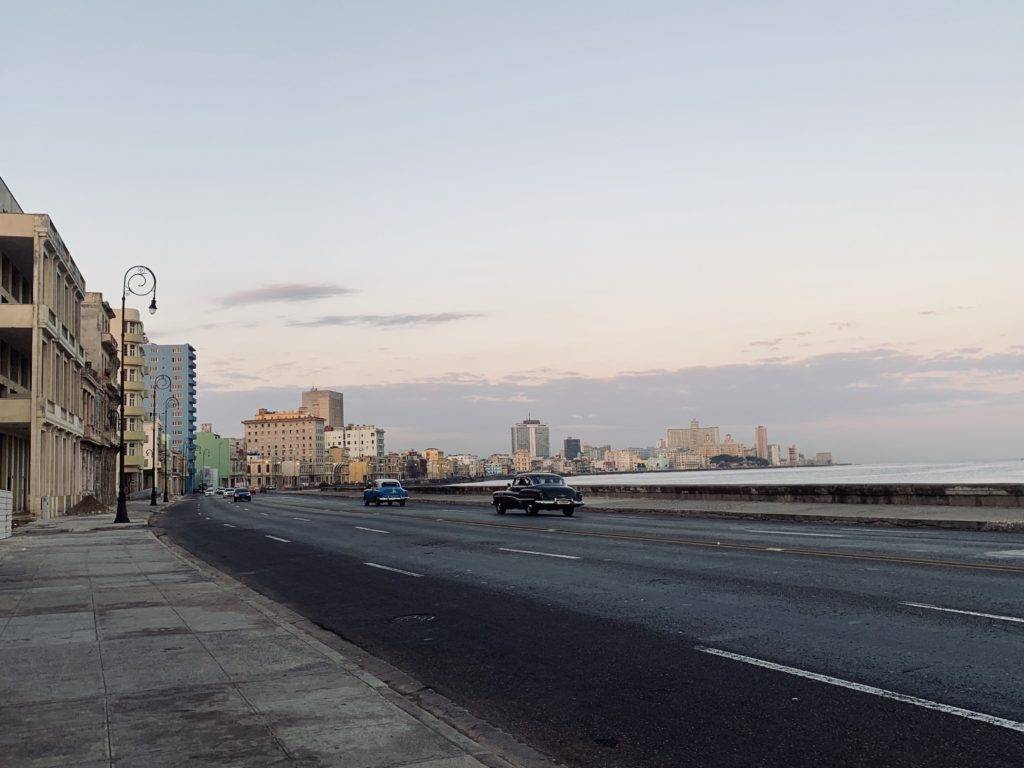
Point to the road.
(614, 640)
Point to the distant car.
(534, 491)
(381, 491)
(210, 492)
(241, 494)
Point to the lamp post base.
(152, 497)
(122, 510)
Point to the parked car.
(381, 491)
(534, 491)
(241, 494)
(210, 492)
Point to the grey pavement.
(904, 515)
(117, 651)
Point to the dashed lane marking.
(794, 533)
(303, 519)
(394, 570)
(228, 525)
(371, 530)
(948, 709)
(996, 616)
(542, 554)
(277, 538)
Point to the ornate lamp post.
(170, 402)
(163, 381)
(139, 281)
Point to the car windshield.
(390, 484)
(549, 480)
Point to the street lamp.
(206, 452)
(163, 381)
(171, 402)
(139, 281)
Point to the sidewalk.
(897, 515)
(116, 651)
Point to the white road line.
(795, 533)
(228, 525)
(901, 697)
(1014, 619)
(276, 538)
(394, 570)
(371, 530)
(303, 519)
(543, 554)
(774, 549)
(264, 514)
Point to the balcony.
(108, 341)
(16, 409)
(16, 315)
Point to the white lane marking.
(264, 514)
(228, 525)
(543, 554)
(966, 613)
(303, 519)
(795, 533)
(774, 549)
(394, 570)
(371, 530)
(1006, 553)
(276, 538)
(901, 697)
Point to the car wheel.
(390, 503)
(401, 503)
(366, 502)
(532, 508)
(376, 503)
(568, 511)
(499, 508)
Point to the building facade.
(136, 395)
(533, 436)
(178, 363)
(761, 442)
(285, 435)
(364, 441)
(327, 404)
(694, 438)
(571, 448)
(41, 365)
(100, 400)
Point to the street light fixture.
(138, 281)
(171, 402)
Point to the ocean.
(961, 472)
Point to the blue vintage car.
(385, 491)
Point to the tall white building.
(532, 436)
(362, 441)
(761, 442)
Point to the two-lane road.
(611, 640)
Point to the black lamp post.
(170, 402)
(163, 381)
(139, 281)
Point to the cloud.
(291, 292)
(384, 321)
(765, 343)
(947, 310)
(843, 325)
(519, 397)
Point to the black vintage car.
(534, 491)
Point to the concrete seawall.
(1000, 495)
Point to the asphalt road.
(612, 640)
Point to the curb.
(484, 742)
(989, 526)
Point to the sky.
(615, 217)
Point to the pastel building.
(178, 363)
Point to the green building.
(214, 459)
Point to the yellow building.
(136, 395)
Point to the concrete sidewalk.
(898, 515)
(116, 651)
